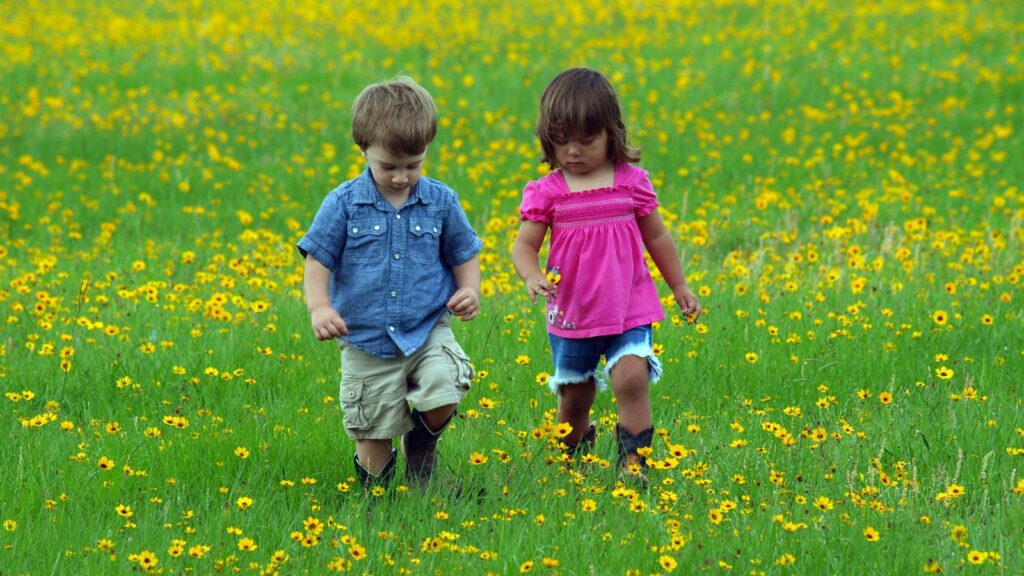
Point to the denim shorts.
(576, 359)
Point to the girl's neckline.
(615, 182)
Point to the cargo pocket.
(352, 404)
(458, 362)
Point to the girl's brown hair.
(582, 102)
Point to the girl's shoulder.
(627, 174)
(551, 181)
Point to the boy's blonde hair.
(581, 102)
(398, 115)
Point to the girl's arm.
(524, 257)
(662, 248)
(316, 280)
(465, 303)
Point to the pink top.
(605, 287)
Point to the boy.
(389, 257)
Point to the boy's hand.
(686, 301)
(464, 304)
(539, 286)
(327, 323)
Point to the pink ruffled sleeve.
(644, 198)
(536, 204)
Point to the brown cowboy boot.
(628, 446)
(419, 446)
(584, 445)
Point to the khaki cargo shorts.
(376, 392)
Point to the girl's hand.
(539, 286)
(687, 302)
(464, 304)
(327, 323)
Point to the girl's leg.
(574, 403)
(630, 383)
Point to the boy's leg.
(420, 444)
(373, 455)
(374, 462)
(439, 377)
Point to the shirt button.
(398, 216)
(392, 328)
(355, 230)
(394, 293)
(398, 256)
(351, 394)
(377, 227)
(418, 228)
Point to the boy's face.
(580, 155)
(394, 174)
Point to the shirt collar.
(365, 191)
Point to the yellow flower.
(561, 430)
(526, 567)
(977, 557)
(522, 359)
(244, 503)
(940, 317)
(751, 357)
(944, 373)
(477, 458)
(871, 535)
(668, 563)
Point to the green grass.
(843, 181)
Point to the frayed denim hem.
(641, 351)
(569, 377)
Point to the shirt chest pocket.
(366, 240)
(424, 240)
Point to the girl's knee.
(630, 377)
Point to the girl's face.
(581, 155)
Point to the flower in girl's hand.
(553, 276)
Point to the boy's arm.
(465, 303)
(662, 249)
(524, 257)
(316, 280)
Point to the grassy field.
(843, 179)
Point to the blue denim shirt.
(391, 270)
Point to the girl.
(601, 300)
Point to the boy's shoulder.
(358, 190)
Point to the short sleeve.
(536, 204)
(459, 242)
(644, 198)
(325, 239)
